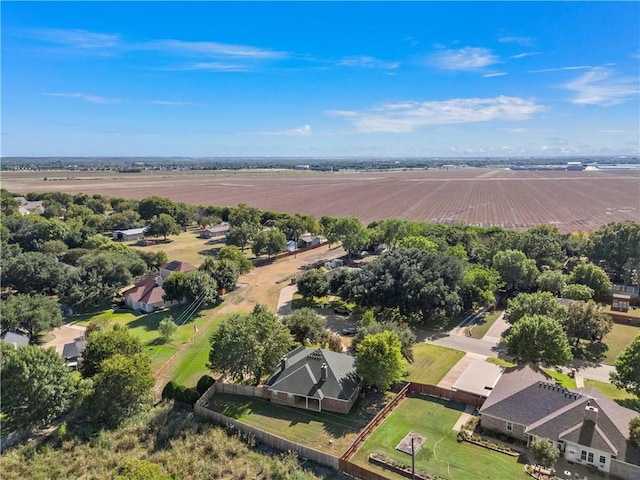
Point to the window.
(590, 457)
(603, 459)
(509, 426)
(583, 455)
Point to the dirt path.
(261, 285)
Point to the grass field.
(325, 431)
(145, 328)
(618, 338)
(441, 454)
(561, 379)
(431, 363)
(186, 247)
(480, 329)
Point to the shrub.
(169, 390)
(204, 383)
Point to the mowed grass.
(145, 328)
(560, 378)
(431, 363)
(617, 340)
(325, 431)
(186, 247)
(609, 389)
(441, 454)
(481, 328)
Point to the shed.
(129, 235)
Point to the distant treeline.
(136, 164)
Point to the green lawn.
(431, 363)
(480, 329)
(186, 247)
(325, 431)
(501, 362)
(441, 454)
(561, 379)
(618, 338)
(145, 327)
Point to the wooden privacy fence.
(447, 394)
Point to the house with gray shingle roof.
(15, 338)
(584, 424)
(315, 379)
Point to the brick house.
(315, 379)
(585, 425)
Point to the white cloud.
(211, 49)
(212, 67)
(82, 39)
(367, 62)
(525, 41)
(298, 131)
(467, 58)
(170, 103)
(602, 86)
(525, 54)
(561, 69)
(407, 116)
(85, 97)
(495, 74)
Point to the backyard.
(618, 338)
(329, 432)
(186, 247)
(441, 454)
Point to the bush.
(169, 390)
(204, 383)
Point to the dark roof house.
(15, 338)
(72, 352)
(315, 379)
(584, 424)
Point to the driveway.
(63, 335)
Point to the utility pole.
(413, 460)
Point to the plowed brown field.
(514, 199)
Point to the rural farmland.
(571, 201)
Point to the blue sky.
(320, 79)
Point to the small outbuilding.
(16, 338)
(129, 235)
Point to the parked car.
(349, 331)
(342, 311)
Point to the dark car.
(349, 331)
(342, 310)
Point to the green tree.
(248, 344)
(33, 272)
(185, 215)
(575, 291)
(270, 241)
(187, 287)
(328, 228)
(627, 368)
(593, 277)
(393, 231)
(352, 234)
(617, 246)
(57, 248)
(537, 338)
(121, 388)
(478, 286)
(543, 244)
(123, 220)
(415, 241)
(405, 335)
(312, 283)
(545, 453)
(142, 470)
(585, 320)
(224, 272)
(306, 326)
(34, 313)
(36, 386)
(379, 360)
(103, 344)
(167, 328)
(634, 431)
(552, 281)
(516, 270)
(152, 206)
(538, 303)
(233, 254)
(162, 225)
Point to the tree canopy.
(627, 369)
(585, 320)
(306, 326)
(189, 286)
(537, 338)
(162, 225)
(248, 345)
(33, 313)
(312, 283)
(478, 286)
(537, 303)
(269, 241)
(379, 359)
(516, 270)
(593, 277)
(33, 272)
(36, 386)
(544, 451)
(233, 254)
(103, 344)
(617, 247)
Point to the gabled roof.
(303, 374)
(16, 338)
(177, 266)
(308, 237)
(146, 291)
(74, 349)
(220, 228)
(131, 231)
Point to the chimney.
(590, 413)
(284, 363)
(323, 372)
(159, 281)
